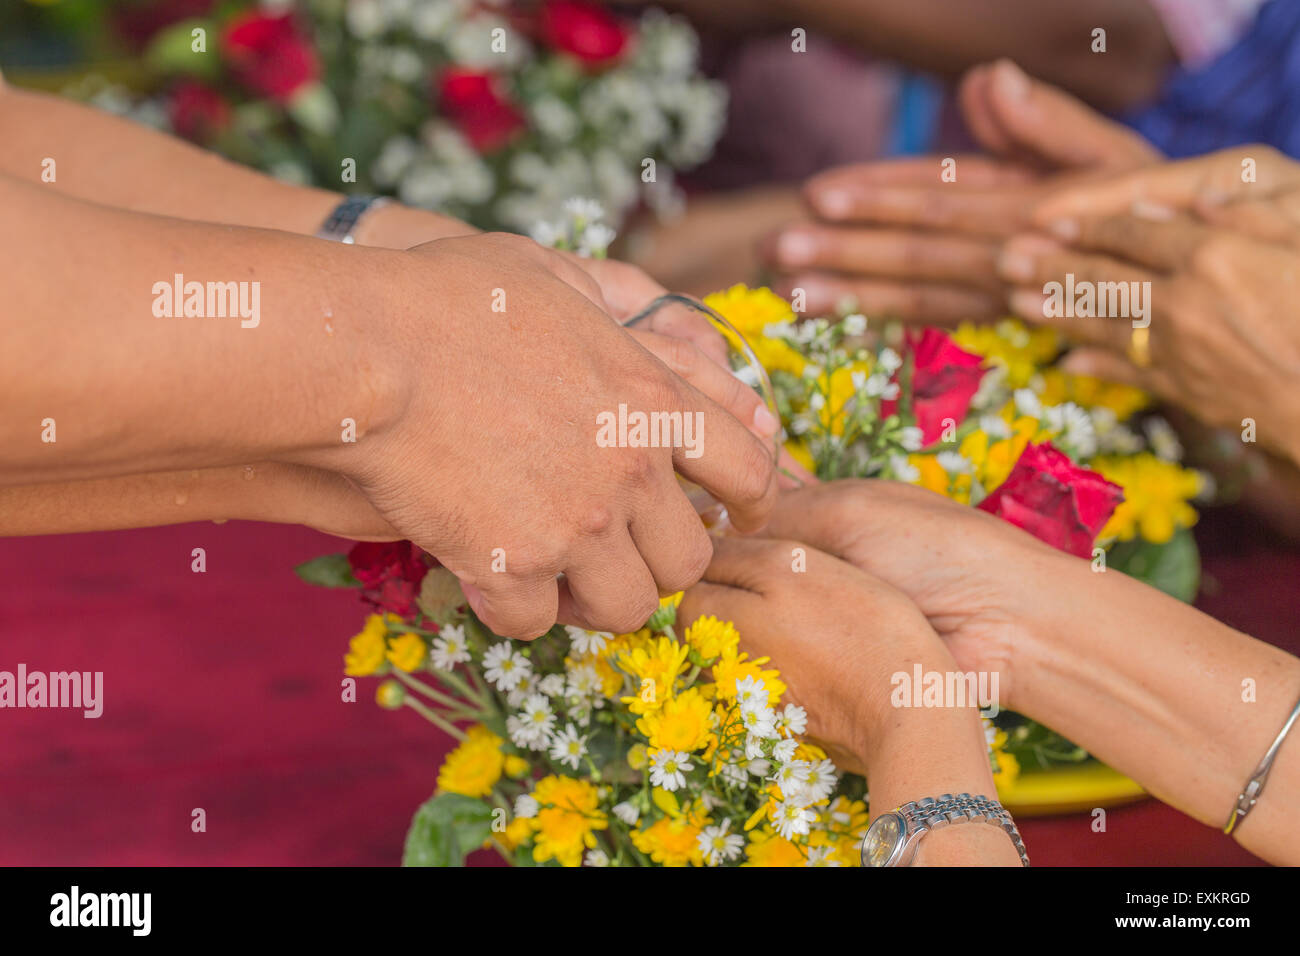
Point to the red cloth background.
(222, 691)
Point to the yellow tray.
(1070, 789)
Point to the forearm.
(117, 162)
(125, 390)
(1181, 703)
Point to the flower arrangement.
(670, 746)
(493, 112)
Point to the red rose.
(585, 30)
(1054, 499)
(269, 55)
(390, 573)
(197, 111)
(945, 378)
(474, 103)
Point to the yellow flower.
(516, 832)
(838, 389)
(933, 478)
(733, 666)
(475, 766)
(1156, 493)
(684, 723)
(670, 842)
(515, 766)
(656, 665)
(993, 460)
(1020, 349)
(711, 638)
(407, 652)
(750, 310)
(766, 848)
(1089, 392)
(566, 823)
(800, 452)
(366, 651)
(637, 756)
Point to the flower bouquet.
(670, 745)
(492, 112)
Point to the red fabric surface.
(222, 691)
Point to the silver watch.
(893, 837)
(342, 221)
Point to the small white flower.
(588, 642)
(568, 747)
(668, 769)
(626, 812)
(596, 240)
(583, 682)
(995, 426)
(816, 401)
(759, 721)
(529, 685)
(526, 806)
(912, 438)
(790, 776)
(794, 719)
(584, 211)
(791, 819)
(504, 667)
(552, 685)
(820, 856)
(1164, 442)
(954, 463)
(903, 469)
(449, 648)
(819, 781)
(750, 692)
(889, 361)
(546, 233)
(1074, 426)
(783, 752)
(531, 727)
(877, 384)
(596, 857)
(718, 845)
(1027, 403)
(855, 324)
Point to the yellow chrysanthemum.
(751, 311)
(683, 723)
(670, 842)
(407, 652)
(1089, 392)
(515, 766)
(655, 666)
(1022, 350)
(474, 767)
(766, 848)
(994, 459)
(1156, 493)
(710, 637)
(366, 650)
(733, 666)
(566, 823)
(516, 832)
(933, 477)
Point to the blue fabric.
(916, 117)
(1250, 94)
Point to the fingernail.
(795, 248)
(1067, 229)
(833, 203)
(1010, 81)
(1015, 265)
(765, 423)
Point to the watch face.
(883, 839)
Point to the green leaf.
(172, 50)
(1174, 567)
(445, 830)
(328, 571)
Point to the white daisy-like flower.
(753, 747)
(526, 806)
(596, 240)
(1074, 427)
(1027, 403)
(588, 642)
(626, 812)
(750, 692)
(535, 722)
(954, 463)
(791, 820)
(911, 438)
(855, 324)
(821, 856)
(584, 211)
(504, 667)
(717, 845)
(889, 361)
(759, 721)
(1164, 442)
(816, 401)
(793, 720)
(819, 781)
(582, 681)
(552, 685)
(903, 469)
(668, 769)
(783, 752)
(568, 747)
(876, 384)
(791, 776)
(449, 648)
(596, 857)
(530, 684)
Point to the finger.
(1031, 260)
(522, 608)
(727, 460)
(672, 539)
(681, 322)
(915, 302)
(1054, 126)
(791, 473)
(830, 194)
(975, 98)
(887, 253)
(610, 588)
(1277, 221)
(714, 380)
(1033, 306)
(1112, 367)
(985, 212)
(717, 600)
(1178, 185)
(750, 564)
(1169, 243)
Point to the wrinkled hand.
(491, 462)
(1223, 261)
(903, 243)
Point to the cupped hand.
(835, 632)
(491, 461)
(902, 242)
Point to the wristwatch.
(893, 837)
(342, 220)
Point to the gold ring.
(1139, 347)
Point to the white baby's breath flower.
(889, 361)
(668, 769)
(855, 324)
(877, 384)
(903, 469)
(717, 845)
(1164, 442)
(526, 806)
(584, 211)
(1027, 403)
(596, 240)
(568, 747)
(449, 648)
(627, 812)
(504, 667)
(954, 463)
(911, 438)
(995, 426)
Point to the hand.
(491, 463)
(1223, 343)
(836, 633)
(902, 242)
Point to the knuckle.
(595, 520)
(693, 562)
(753, 477)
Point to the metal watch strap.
(1250, 794)
(933, 814)
(340, 223)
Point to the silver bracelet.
(340, 224)
(1250, 795)
(894, 837)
